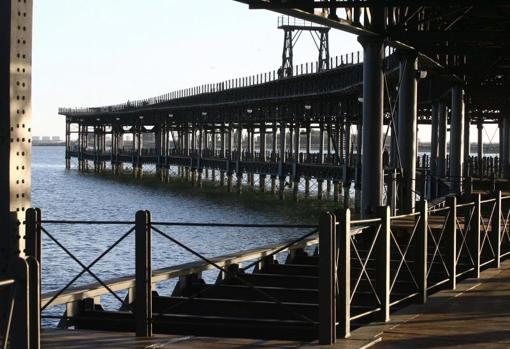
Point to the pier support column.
(68, 144)
(434, 132)
(239, 174)
(505, 156)
(281, 163)
(319, 189)
(407, 129)
(479, 148)
(441, 151)
(457, 138)
(467, 146)
(307, 187)
(262, 155)
(372, 171)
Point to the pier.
(418, 228)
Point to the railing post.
(343, 303)
(143, 286)
(327, 246)
(474, 235)
(422, 250)
(33, 253)
(382, 256)
(496, 230)
(451, 239)
(19, 271)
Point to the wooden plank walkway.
(476, 315)
(67, 339)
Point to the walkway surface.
(475, 315)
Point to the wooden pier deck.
(475, 315)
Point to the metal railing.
(405, 257)
(143, 229)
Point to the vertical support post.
(327, 274)
(434, 139)
(441, 154)
(281, 162)
(33, 253)
(407, 126)
(262, 156)
(15, 154)
(451, 241)
(474, 235)
(321, 142)
(382, 272)
(422, 250)
(480, 148)
(343, 238)
(143, 273)
(496, 230)
(239, 174)
(68, 143)
(372, 171)
(457, 138)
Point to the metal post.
(281, 162)
(434, 139)
(382, 272)
(441, 154)
(473, 239)
(496, 230)
(457, 138)
(239, 174)
(68, 144)
(480, 148)
(421, 250)
(327, 274)
(262, 155)
(343, 238)
(451, 241)
(372, 171)
(143, 274)
(407, 125)
(15, 153)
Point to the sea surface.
(69, 195)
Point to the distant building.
(36, 139)
(46, 138)
(55, 139)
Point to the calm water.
(70, 195)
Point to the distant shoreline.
(61, 144)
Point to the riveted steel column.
(407, 125)
(372, 172)
(15, 156)
(457, 138)
(442, 127)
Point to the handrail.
(366, 221)
(467, 204)
(408, 215)
(125, 282)
(7, 282)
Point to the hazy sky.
(101, 52)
